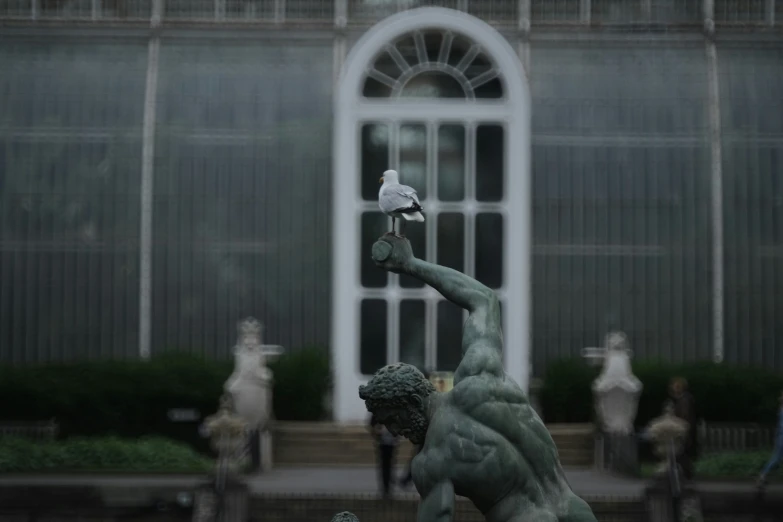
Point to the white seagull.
(398, 200)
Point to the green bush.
(132, 398)
(149, 454)
(565, 394)
(302, 380)
(723, 392)
(736, 465)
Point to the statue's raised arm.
(481, 439)
(482, 337)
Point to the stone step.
(370, 509)
(331, 444)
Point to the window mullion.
(394, 163)
(431, 339)
(432, 161)
(392, 332)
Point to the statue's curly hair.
(395, 385)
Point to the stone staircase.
(323, 444)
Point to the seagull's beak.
(380, 180)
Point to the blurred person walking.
(777, 453)
(386, 448)
(685, 408)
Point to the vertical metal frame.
(716, 194)
(147, 189)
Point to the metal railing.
(714, 438)
(510, 13)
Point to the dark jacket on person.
(685, 409)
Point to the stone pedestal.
(234, 505)
(620, 453)
(663, 507)
(265, 444)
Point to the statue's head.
(345, 516)
(397, 396)
(616, 341)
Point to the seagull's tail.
(413, 216)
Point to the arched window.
(439, 96)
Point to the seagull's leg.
(394, 232)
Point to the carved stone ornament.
(226, 429)
(617, 389)
(250, 383)
(249, 331)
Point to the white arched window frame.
(351, 110)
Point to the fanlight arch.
(433, 63)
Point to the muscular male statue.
(481, 440)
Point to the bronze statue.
(481, 440)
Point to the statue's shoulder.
(484, 386)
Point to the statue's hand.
(392, 253)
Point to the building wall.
(751, 88)
(621, 198)
(242, 188)
(623, 214)
(240, 202)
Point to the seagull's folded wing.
(399, 199)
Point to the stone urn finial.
(617, 389)
(226, 431)
(665, 430)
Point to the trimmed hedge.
(149, 454)
(132, 398)
(736, 465)
(723, 392)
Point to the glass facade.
(623, 217)
(241, 194)
(70, 163)
(621, 200)
(751, 84)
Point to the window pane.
(417, 235)
(432, 84)
(451, 241)
(375, 157)
(374, 225)
(372, 352)
(412, 332)
(451, 162)
(490, 163)
(449, 336)
(492, 89)
(489, 249)
(375, 89)
(413, 158)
